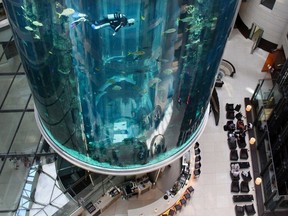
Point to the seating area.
(239, 154)
(180, 203)
(197, 166)
(240, 210)
(186, 196)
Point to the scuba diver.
(116, 21)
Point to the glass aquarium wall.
(121, 86)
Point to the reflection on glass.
(121, 84)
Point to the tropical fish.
(194, 28)
(195, 42)
(139, 52)
(143, 18)
(155, 23)
(187, 19)
(177, 21)
(27, 18)
(36, 23)
(50, 52)
(77, 15)
(137, 88)
(154, 81)
(36, 36)
(66, 12)
(112, 81)
(29, 28)
(117, 88)
(142, 92)
(168, 71)
(188, 46)
(25, 43)
(190, 9)
(171, 30)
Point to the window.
(268, 3)
(2, 12)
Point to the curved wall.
(274, 22)
(127, 102)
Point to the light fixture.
(248, 108)
(252, 140)
(155, 210)
(258, 181)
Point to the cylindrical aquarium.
(121, 86)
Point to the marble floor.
(212, 194)
(212, 190)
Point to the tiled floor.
(212, 194)
(212, 190)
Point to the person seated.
(235, 171)
(240, 125)
(241, 140)
(230, 126)
(246, 176)
(249, 126)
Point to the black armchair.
(235, 186)
(197, 173)
(232, 142)
(229, 107)
(250, 210)
(244, 187)
(197, 151)
(237, 107)
(239, 210)
(241, 142)
(244, 153)
(233, 155)
(197, 165)
(196, 145)
(197, 158)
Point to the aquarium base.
(125, 170)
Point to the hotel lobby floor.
(212, 194)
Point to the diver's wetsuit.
(116, 21)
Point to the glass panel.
(31, 103)
(10, 65)
(121, 84)
(18, 94)
(28, 135)
(8, 126)
(268, 3)
(7, 214)
(11, 186)
(4, 85)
